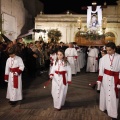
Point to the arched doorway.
(109, 37)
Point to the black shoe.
(105, 111)
(73, 75)
(57, 109)
(10, 102)
(13, 103)
(114, 118)
(98, 91)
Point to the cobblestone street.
(81, 102)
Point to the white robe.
(71, 54)
(108, 100)
(81, 57)
(14, 94)
(59, 90)
(78, 66)
(92, 62)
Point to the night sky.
(61, 6)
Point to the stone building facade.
(67, 24)
(14, 15)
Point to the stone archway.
(109, 37)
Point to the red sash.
(15, 77)
(63, 75)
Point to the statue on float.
(94, 19)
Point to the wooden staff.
(93, 85)
(47, 83)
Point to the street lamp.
(104, 24)
(79, 23)
(94, 3)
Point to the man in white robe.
(109, 81)
(81, 57)
(71, 54)
(13, 70)
(92, 61)
(78, 58)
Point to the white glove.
(16, 74)
(6, 81)
(51, 76)
(98, 85)
(118, 86)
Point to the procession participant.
(92, 61)
(13, 70)
(71, 54)
(78, 66)
(103, 52)
(61, 77)
(109, 78)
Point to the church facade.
(67, 24)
